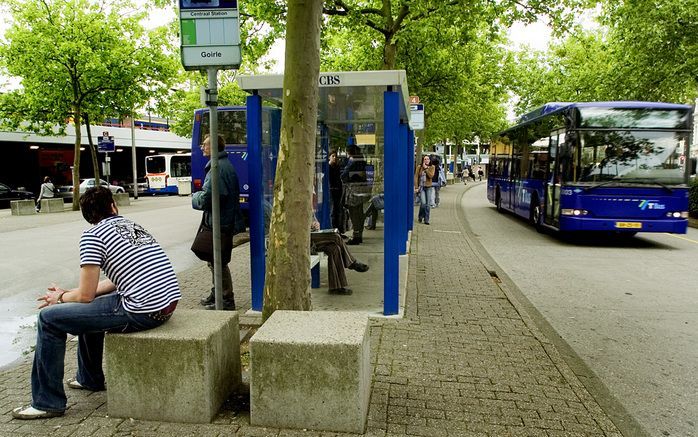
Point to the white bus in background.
(168, 173)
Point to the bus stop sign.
(210, 34)
(105, 143)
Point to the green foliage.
(645, 50)
(693, 198)
(79, 55)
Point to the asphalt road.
(628, 308)
(40, 249)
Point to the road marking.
(683, 238)
(447, 232)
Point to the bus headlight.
(574, 212)
(677, 214)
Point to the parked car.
(142, 186)
(66, 191)
(8, 194)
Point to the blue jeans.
(426, 197)
(89, 321)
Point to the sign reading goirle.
(210, 31)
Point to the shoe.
(210, 300)
(228, 305)
(426, 223)
(342, 290)
(74, 384)
(371, 228)
(344, 237)
(355, 241)
(420, 220)
(358, 266)
(31, 413)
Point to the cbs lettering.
(330, 80)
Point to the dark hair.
(96, 204)
(221, 141)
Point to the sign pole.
(133, 155)
(212, 103)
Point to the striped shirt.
(132, 259)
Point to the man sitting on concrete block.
(140, 292)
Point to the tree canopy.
(77, 58)
(642, 50)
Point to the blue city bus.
(619, 167)
(232, 125)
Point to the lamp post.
(133, 155)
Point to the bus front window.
(639, 157)
(155, 164)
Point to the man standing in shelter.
(357, 191)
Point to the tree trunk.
(287, 270)
(77, 122)
(93, 151)
(389, 54)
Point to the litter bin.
(184, 188)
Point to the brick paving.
(464, 361)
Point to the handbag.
(357, 193)
(203, 244)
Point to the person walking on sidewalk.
(229, 194)
(423, 187)
(140, 292)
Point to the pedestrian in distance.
(140, 292)
(47, 191)
(423, 187)
(339, 258)
(436, 184)
(480, 173)
(230, 217)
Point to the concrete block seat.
(122, 199)
(23, 207)
(52, 205)
(181, 371)
(311, 369)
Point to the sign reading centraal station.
(210, 34)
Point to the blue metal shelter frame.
(389, 94)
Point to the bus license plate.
(628, 225)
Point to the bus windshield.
(649, 157)
(155, 164)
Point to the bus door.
(552, 185)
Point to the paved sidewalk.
(465, 361)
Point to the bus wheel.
(535, 216)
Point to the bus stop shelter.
(369, 109)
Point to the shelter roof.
(344, 97)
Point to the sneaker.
(426, 223)
(342, 290)
(228, 305)
(210, 300)
(358, 266)
(355, 241)
(74, 384)
(31, 413)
